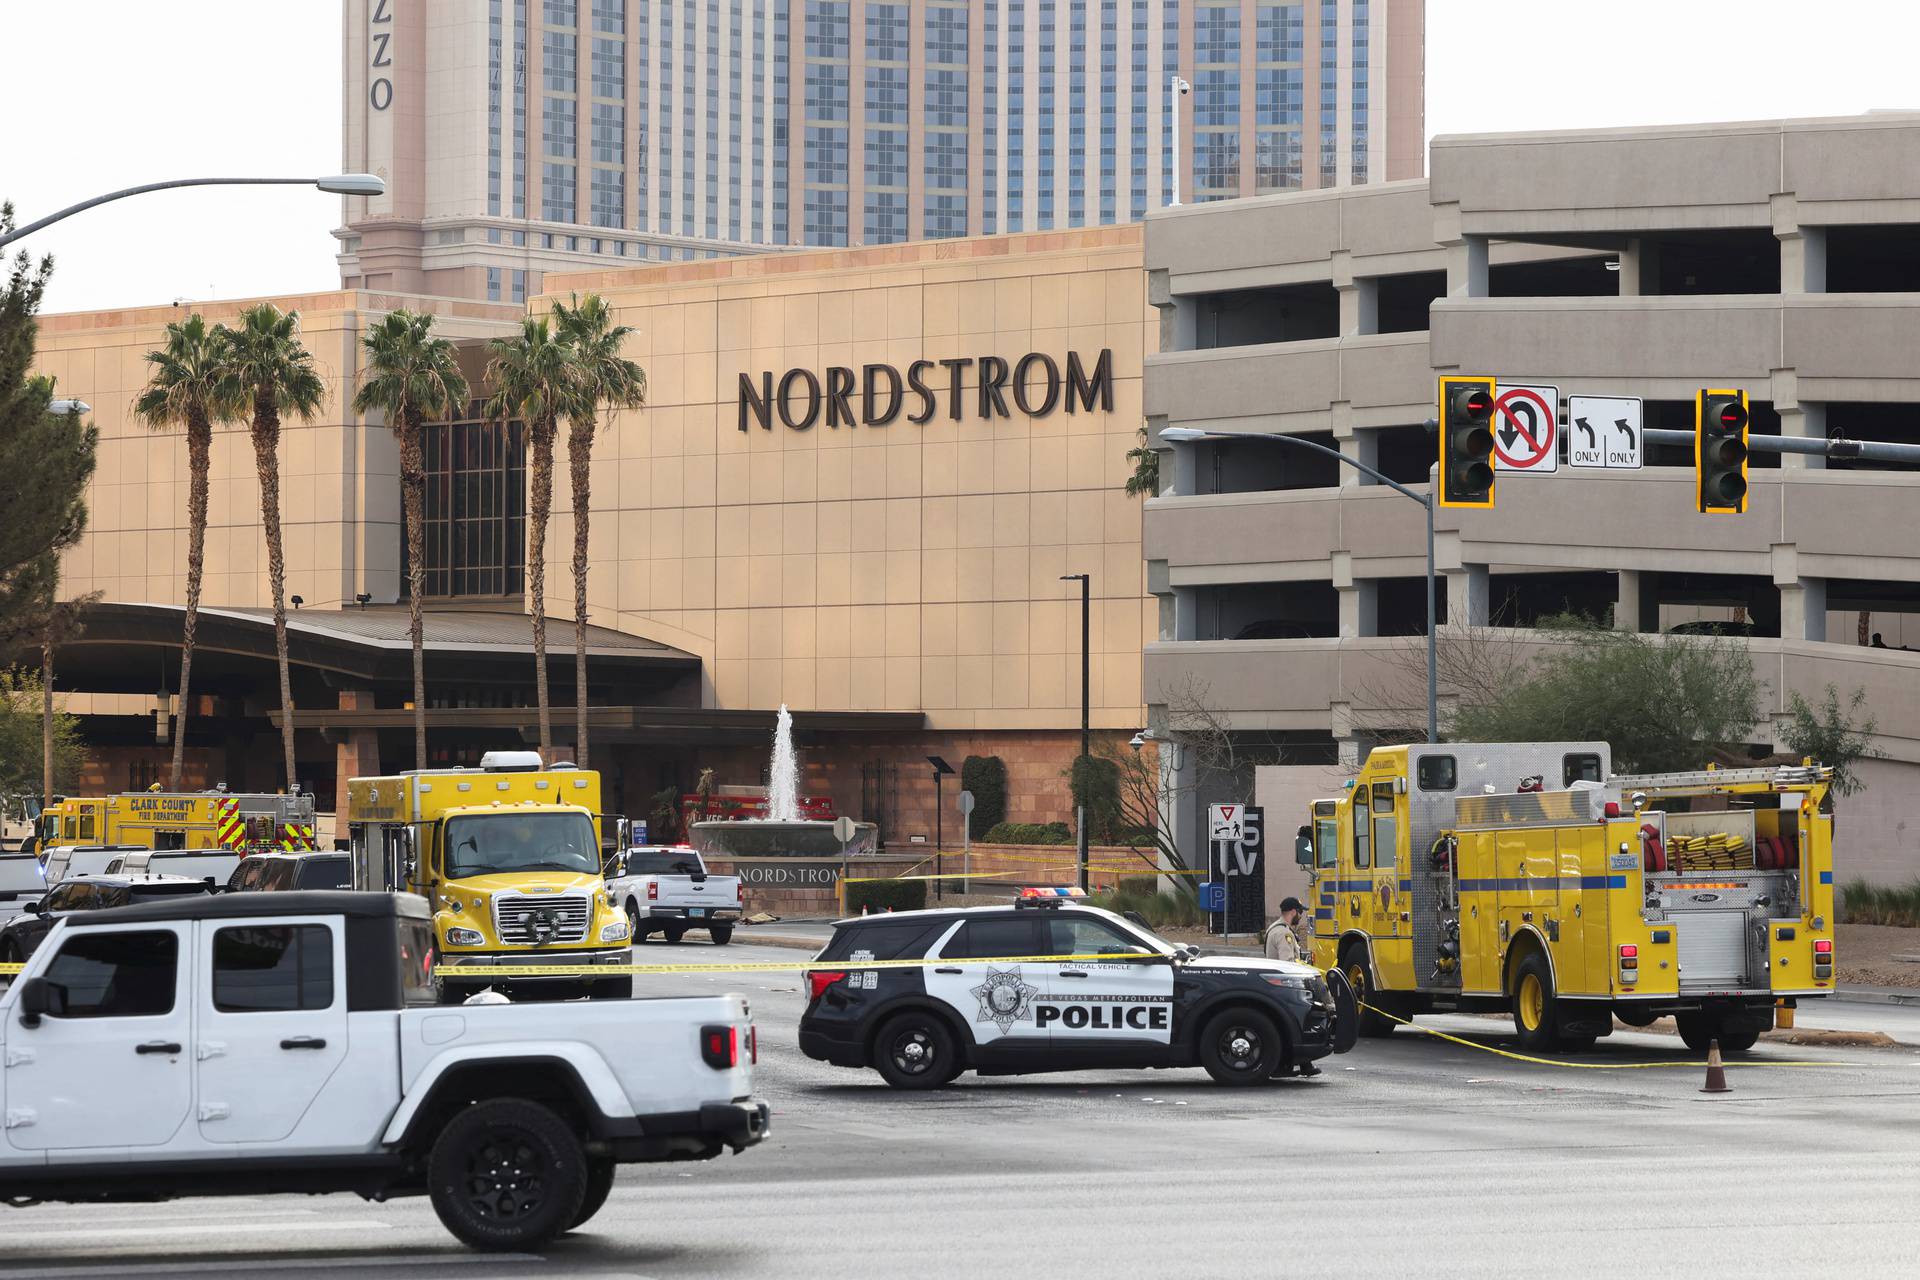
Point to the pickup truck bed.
(669, 891)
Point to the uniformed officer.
(1283, 939)
(1284, 942)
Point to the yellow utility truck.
(242, 822)
(1528, 878)
(508, 855)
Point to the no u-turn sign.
(1526, 429)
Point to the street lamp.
(1188, 435)
(1176, 89)
(345, 184)
(1086, 584)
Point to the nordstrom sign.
(1034, 385)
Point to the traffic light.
(1720, 452)
(1466, 442)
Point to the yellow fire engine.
(509, 856)
(1529, 878)
(244, 822)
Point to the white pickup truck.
(290, 1042)
(666, 889)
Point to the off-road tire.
(916, 1050)
(1240, 1046)
(507, 1174)
(599, 1186)
(721, 935)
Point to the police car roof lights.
(1048, 895)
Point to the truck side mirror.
(39, 997)
(1303, 847)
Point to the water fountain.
(783, 833)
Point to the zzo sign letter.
(380, 89)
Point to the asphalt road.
(1410, 1156)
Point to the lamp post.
(1176, 90)
(346, 184)
(1188, 435)
(1080, 810)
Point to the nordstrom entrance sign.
(1035, 385)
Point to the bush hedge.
(1028, 833)
(1160, 910)
(878, 895)
(1862, 903)
(986, 777)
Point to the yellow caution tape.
(1591, 1066)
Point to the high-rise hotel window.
(609, 69)
(557, 193)
(608, 207)
(558, 129)
(1360, 77)
(475, 528)
(560, 62)
(610, 15)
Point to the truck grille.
(520, 919)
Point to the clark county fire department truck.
(241, 822)
(1529, 878)
(509, 856)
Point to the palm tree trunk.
(199, 464)
(542, 508)
(579, 457)
(413, 490)
(266, 458)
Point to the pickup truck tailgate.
(685, 891)
(635, 1057)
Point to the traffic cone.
(1716, 1073)
(863, 909)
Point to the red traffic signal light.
(1720, 423)
(1466, 442)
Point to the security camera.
(1185, 88)
(1138, 741)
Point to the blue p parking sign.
(1213, 896)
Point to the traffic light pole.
(1870, 450)
(1426, 500)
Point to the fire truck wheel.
(1353, 963)
(1697, 1030)
(1635, 1015)
(1533, 1013)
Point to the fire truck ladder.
(1708, 781)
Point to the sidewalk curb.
(1856, 995)
(788, 940)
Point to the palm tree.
(603, 377)
(412, 376)
(185, 389)
(533, 380)
(272, 375)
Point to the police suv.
(1051, 985)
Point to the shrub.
(1159, 909)
(1095, 783)
(878, 895)
(1029, 833)
(1862, 903)
(986, 777)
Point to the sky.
(121, 92)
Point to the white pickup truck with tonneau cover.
(667, 889)
(290, 1042)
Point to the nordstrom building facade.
(859, 479)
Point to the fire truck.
(243, 822)
(1528, 878)
(509, 855)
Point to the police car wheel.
(1239, 1046)
(916, 1051)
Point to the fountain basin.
(769, 838)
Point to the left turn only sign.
(1526, 429)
